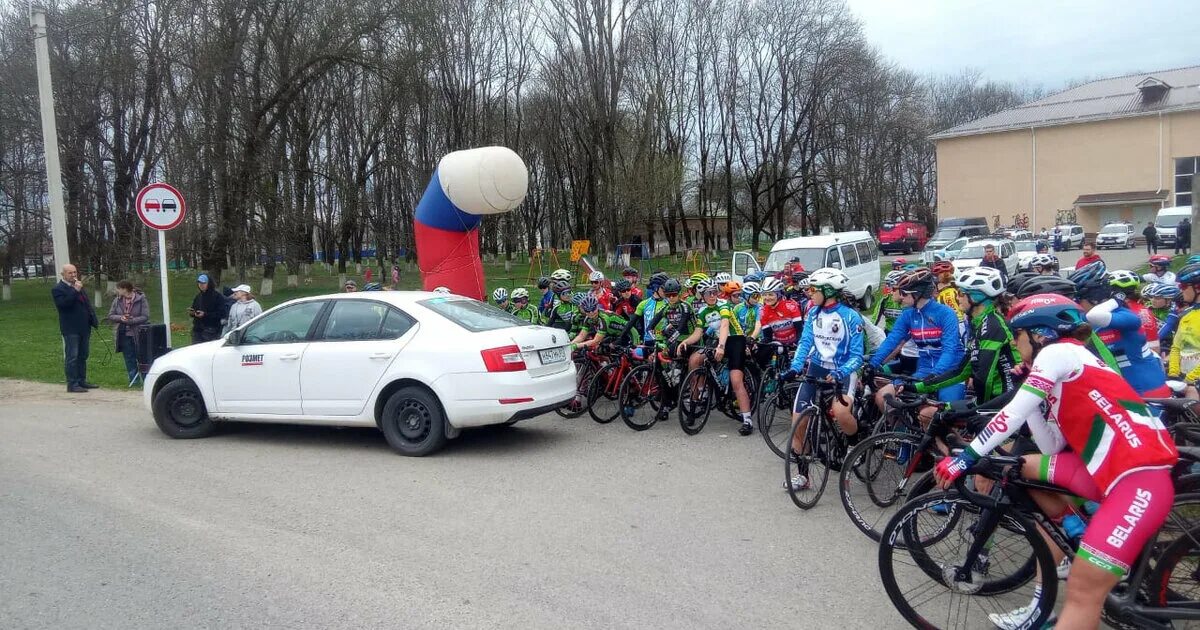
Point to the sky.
(1045, 43)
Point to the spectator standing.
(396, 276)
(244, 309)
(368, 274)
(1058, 239)
(207, 311)
(1183, 236)
(1151, 234)
(128, 313)
(1089, 255)
(76, 319)
(990, 259)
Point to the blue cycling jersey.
(547, 303)
(747, 316)
(1121, 330)
(832, 339)
(933, 329)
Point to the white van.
(855, 253)
(1166, 221)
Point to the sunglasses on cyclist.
(675, 294)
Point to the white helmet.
(772, 285)
(722, 278)
(561, 274)
(442, 291)
(986, 280)
(1044, 261)
(893, 277)
(831, 281)
(520, 294)
(596, 276)
(500, 295)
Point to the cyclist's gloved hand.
(951, 468)
(789, 375)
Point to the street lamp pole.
(58, 215)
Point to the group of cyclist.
(1071, 360)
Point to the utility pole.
(58, 214)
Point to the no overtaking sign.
(160, 206)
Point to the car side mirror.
(835, 265)
(233, 338)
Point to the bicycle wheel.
(938, 598)
(584, 370)
(638, 388)
(774, 419)
(806, 473)
(697, 395)
(602, 395)
(875, 480)
(1175, 579)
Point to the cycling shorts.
(735, 352)
(1136, 506)
(808, 391)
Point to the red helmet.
(1047, 314)
(1159, 260)
(942, 266)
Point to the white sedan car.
(419, 366)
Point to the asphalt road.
(106, 523)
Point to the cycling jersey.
(1167, 277)
(636, 293)
(1149, 323)
(625, 308)
(546, 306)
(889, 309)
(673, 322)
(604, 297)
(782, 320)
(1168, 321)
(528, 313)
(747, 316)
(873, 337)
(1121, 330)
(709, 318)
(644, 314)
(613, 327)
(565, 316)
(1185, 347)
(949, 297)
(934, 329)
(795, 294)
(1090, 408)
(989, 359)
(833, 340)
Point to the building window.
(1185, 171)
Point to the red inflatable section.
(449, 259)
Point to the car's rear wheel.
(413, 422)
(179, 411)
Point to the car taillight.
(505, 359)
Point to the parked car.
(1014, 234)
(1116, 236)
(972, 254)
(905, 237)
(948, 252)
(855, 253)
(1026, 250)
(1072, 237)
(419, 366)
(951, 229)
(1167, 219)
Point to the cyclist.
(1159, 270)
(1126, 283)
(689, 286)
(1120, 330)
(747, 311)
(831, 348)
(733, 293)
(947, 293)
(1043, 265)
(500, 297)
(780, 319)
(600, 290)
(522, 308)
(648, 308)
(673, 322)
(1121, 455)
(796, 291)
(561, 274)
(990, 357)
(933, 327)
(625, 302)
(715, 323)
(898, 264)
(597, 325)
(889, 310)
(564, 315)
(722, 279)
(1162, 306)
(546, 304)
(1184, 360)
(632, 276)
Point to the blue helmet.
(587, 302)
(1161, 290)
(1089, 272)
(1193, 259)
(1190, 274)
(1047, 314)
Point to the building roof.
(1121, 197)
(1141, 94)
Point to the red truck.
(905, 237)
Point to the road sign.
(160, 206)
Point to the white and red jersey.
(782, 319)
(1072, 398)
(1149, 321)
(604, 297)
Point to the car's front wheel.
(413, 422)
(179, 411)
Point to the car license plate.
(553, 355)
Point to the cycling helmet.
(695, 279)
(520, 295)
(799, 276)
(754, 276)
(912, 266)
(500, 295)
(587, 302)
(918, 281)
(751, 289)
(372, 286)
(1159, 260)
(1123, 280)
(596, 276)
(629, 271)
(1042, 284)
(1161, 290)
(1190, 274)
(561, 286)
(1046, 314)
(1044, 261)
(442, 291)
(1089, 272)
(561, 274)
(772, 285)
(980, 280)
(543, 283)
(578, 296)
(898, 263)
(656, 281)
(671, 286)
(722, 278)
(733, 287)
(706, 285)
(623, 285)
(1193, 259)
(942, 266)
(829, 280)
(892, 277)
(1095, 290)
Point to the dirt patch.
(25, 391)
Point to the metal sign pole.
(162, 277)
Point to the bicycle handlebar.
(896, 403)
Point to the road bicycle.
(587, 363)
(603, 400)
(708, 387)
(651, 383)
(825, 445)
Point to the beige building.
(1110, 150)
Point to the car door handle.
(381, 355)
(289, 357)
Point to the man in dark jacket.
(1183, 236)
(990, 259)
(76, 319)
(207, 311)
(1151, 234)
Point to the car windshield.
(472, 315)
(1115, 229)
(812, 258)
(974, 251)
(1027, 246)
(1170, 220)
(945, 234)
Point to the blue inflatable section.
(436, 210)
